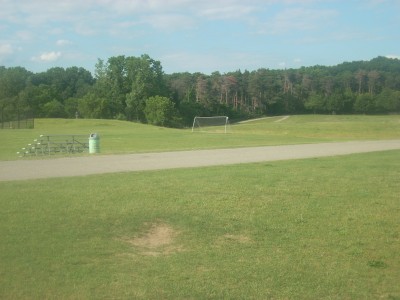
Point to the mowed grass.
(325, 228)
(306, 229)
(127, 137)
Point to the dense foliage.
(137, 89)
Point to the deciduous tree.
(160, 111)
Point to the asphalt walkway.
(100, 164)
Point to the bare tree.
(360, 75)
(373, 76)
(201, 89)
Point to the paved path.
(99, 164)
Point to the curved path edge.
(101, 164)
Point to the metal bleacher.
(54, 144)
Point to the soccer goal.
(218, 124)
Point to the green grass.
(127, 137)
(303, 229)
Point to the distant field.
(128, 137)
(324, 228)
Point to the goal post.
(218, 124)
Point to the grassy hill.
(128, 137)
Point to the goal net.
(218, 124)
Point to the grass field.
(127, 137)
(301, 229)
(306, 229)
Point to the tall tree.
(161, 111)
(202, 90)
(315, 103)
(360, 76)
(372, 79)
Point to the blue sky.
(197, 35)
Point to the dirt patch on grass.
(158, 239)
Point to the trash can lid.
(94, 135)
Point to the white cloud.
(24, 35)
(203, 7)
(47, 57)
(169, 22)
(90, 17)
(62, 43)
(374, 3)
(227, 12)
(213, 30)
(208, 62)
(188, 61)
(85, 29)
(297, 19)
(6, 49)
(56, 31)
(41, 12)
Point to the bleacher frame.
(54, 144)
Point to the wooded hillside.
(137, 89)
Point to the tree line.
(137, 89)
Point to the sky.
(197, 35)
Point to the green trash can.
(94, 143)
